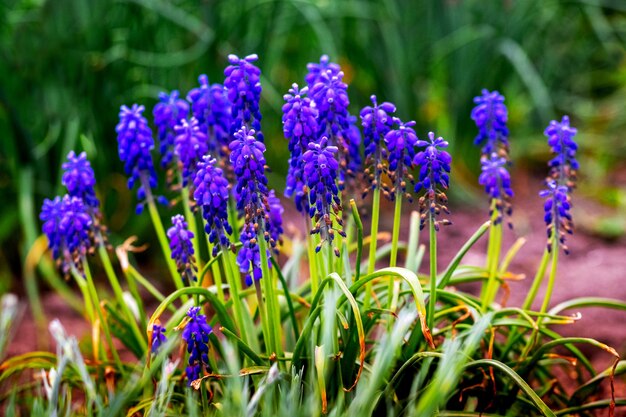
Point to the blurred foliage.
(66, 66)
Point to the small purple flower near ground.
(196, 336)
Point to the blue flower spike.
(491, 116)
(497, 182)
(401, 143)
(196, 336)
(167, 113)
(181, 246)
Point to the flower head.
(490, 116)
(316, 70)
(321, 171)
(248, 163)
(497, 182)
(564, 165)
(196, 336)
(249, 255)
(182, 248)
(167, 113)
(210, 105)
(401, 143)
(243, 83)
(158, 338)
(434, 167)
(330, 94)
(377, 122)
(191, 146)
(67, 225)
(300, 128)
(557, 216)
(211, 194)
(135, 142)
(79, 179)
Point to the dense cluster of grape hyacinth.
(248, 163)
(182, 248)
(135, 142)
(196, 336)
(167, 113)
(211, 107)
(557, 216)
(300, 128)
(211, 194)
(321, 171)
(243, 84)
(377, 121)
(191, 146)
(490, 116)
(67, 225)
(564, 165)
(497, 182)
(401, 143)
(434, 167)
(158, 338)
(330, 95)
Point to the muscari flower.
(377, 122)
(330, 95)
(244, 92)
(564, 165)
(320, 172)
(167, 113)
(158, 338)
(249, 255)
(79, 179)
(210, 105)
(67, 225)
(135, 142)
(300, 128)
(490, 116)
(316, 70)
(211, 194)
(191, 146)
(497, 182)
(401, 143)
(433, 178)
(196, 336)
(182, 249)
(557, 216)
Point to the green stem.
(191, 224)
(371, 265)
(270, 299)
(160, 232)
(215, 271)
(96, 301)
(551, 277)
(310, 248)
(234, 283)
(117, 289)
(430, 319)
(397, 213)
(493, 259)
(541, 273)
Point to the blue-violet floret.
(196, 336)
(182, 248)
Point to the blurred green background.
(66, 66)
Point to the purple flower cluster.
(196, 336)
(211, 107)
(135, 142)
(401, 143)
(434, 168)
(300, 128)
(249, 256)
(564, 165)
(330, 95)
(320, 171)
(167, 113)
(497, 182)
(557, 216)
(377, 122)
(79, 179)
(67, 225)
(243, 83)
(182, 249)
(191, 146)
(211, 194)
(490, 116)
(158, 338)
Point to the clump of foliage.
(261, 323)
